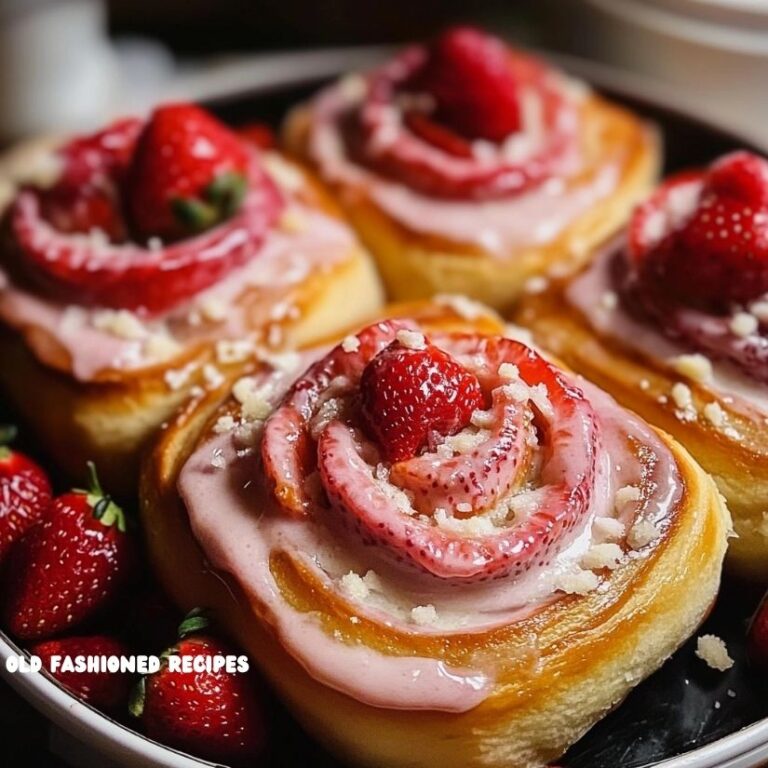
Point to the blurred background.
(71, 63)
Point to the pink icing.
(283, 262)
(533, 217)
(222, 484)
(730, 383)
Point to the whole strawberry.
(757, 637)
(214, 715)
(68, 566)
(25, 493)
(107, 691)
(408, 393)
(188, 173)
(468, 74)
(87, 194)
(712, 251)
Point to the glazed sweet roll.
(439, 546)
(156, 254)
(671, 319)
(467, 166)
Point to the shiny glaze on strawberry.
(366, 511)
(413, 125)
(73, 240)
(306, 496)
(86, 195)
(697, 257)
(413, 396)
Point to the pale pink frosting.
(534, 217)
(285, 260)
(239, 525)
(586, 293)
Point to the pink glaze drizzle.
(284, 261)
(221, 504)
(533, 216)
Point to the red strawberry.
(68, 566)
(717, 254)
(437, 135)
(86, 195)
(107, 691)
(468, 74)
(258, 134)
(757, 638)
(409, 394)
(740, 176)
(25, 493)
(214, 715)
(188, 173)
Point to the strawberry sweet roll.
(439, 546)
(468, 166)
(146, 262)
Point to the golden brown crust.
(110, 418)
(414, 265)
(560, 670)
(739, 466)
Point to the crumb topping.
(642, 533)
(411, 339)
(424, 615)
(605, 555)
(579, 582)
(712, 650)
(350, 344)
(696, 367)
(230, 351)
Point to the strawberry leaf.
(194, 215)
(8, 433)
(104, 508)
(138, 697)
(196, 620)
(226, 193)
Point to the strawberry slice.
(469, 76)
(740, 176)
(107, 691)
(410, 393)
(152, 280)
(471, 82)
(68, 566)
(183, 173)
(86, 196)
(25, 493)
(703, 238)
(216, 715)
(189, 172)
(437, 135)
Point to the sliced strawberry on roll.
(704, 237)
(449, 119)
(87, 197)
(182, 177)
(698, 255)
(410, 397)
(410, 394)
(476, 93)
